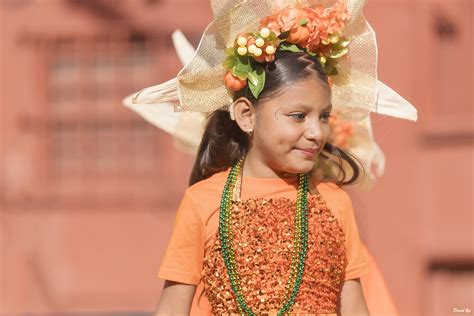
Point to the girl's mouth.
(307, 152)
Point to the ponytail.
(222, 145)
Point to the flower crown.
(314, 30)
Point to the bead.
(252, 48)
(257, 52)
(241, 41)
(264, 32)
(242, 51)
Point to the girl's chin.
(301, 167)
(307, 170)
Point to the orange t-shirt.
(197, 221)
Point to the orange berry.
(234, 83)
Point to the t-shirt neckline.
(266, 181)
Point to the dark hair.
(223, 142)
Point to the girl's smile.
(309, 153)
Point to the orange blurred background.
(89, 190)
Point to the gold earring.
(250, 131)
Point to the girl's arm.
(352, 299)
(176, 299)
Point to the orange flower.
(271, 22)
(283, 20)
(341, 131)
(299, 34)
(336, 17)
(326, 21)
(320, 23)
(287, 18)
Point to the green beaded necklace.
(300, 243)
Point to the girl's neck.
(256, 168)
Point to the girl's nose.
(314, 132)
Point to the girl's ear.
(244, 114)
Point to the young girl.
(264, 227)
(279, 137)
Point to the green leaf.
(243, 64)
(242, 67)
(229, 61)
(338, 54)
(290, 47)
(344, 42)
(303, 22)
(240, 74)
(256, 81)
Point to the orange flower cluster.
(309, 27)
(341, 131)
(316, 30)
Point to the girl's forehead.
(307, 95)
(307, 107)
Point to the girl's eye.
(326, 116)
(298, 116)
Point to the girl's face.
(290, 129)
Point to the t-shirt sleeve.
(183, 258)
(357, 261)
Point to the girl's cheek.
(327, 130)
(291, 132)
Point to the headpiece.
(245, 34)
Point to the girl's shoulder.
(336, 198)
(330, 189)
(214, 183)
(206, 194)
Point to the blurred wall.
(88, 189)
